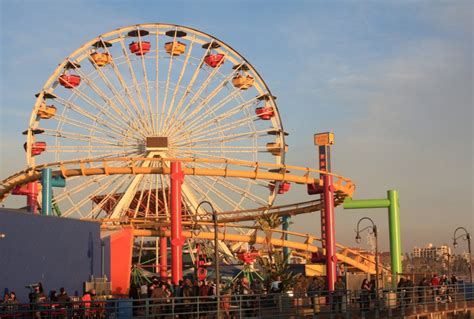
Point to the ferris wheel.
(155, 91)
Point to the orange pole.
(163, 258)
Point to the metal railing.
(391, 303)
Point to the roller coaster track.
(231, 168)
(148, 228)
(243, 169)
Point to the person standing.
(364, 295)
(158, 296)
(422, 285)
(313, 291)
(339, 293)
(435, 286)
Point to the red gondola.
(214, 60)
(36, 148)
(140, 48)
(69, 81)
(282, 188)
(265, 112)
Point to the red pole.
(32, 197)
(331, 258)
(177, 240)
(163, 259)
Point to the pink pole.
(331, 258)
(32, 197)
(177, 240)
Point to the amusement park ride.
(141, 102)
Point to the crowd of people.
(437, 289)
(164, 297)
(190, 291)
(40, 303)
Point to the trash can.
(390, 298)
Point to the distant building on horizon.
(432, 252)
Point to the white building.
(432, 252)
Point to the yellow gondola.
(175, 48)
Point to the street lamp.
(372, 230)
(465, 236)
(216, 253)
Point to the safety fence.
(400, 302)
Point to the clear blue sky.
(393, 80)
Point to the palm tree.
(267, 223)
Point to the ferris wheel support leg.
(331, 258)
(177, 239)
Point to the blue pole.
(285, 226)
(47, 191)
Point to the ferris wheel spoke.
(177, 86)
(157, 192)
(111, 193)
(203, 123)
(125, 88)
(81, 148)
(103, 155)
(225, 129)
(79, 137)
(116, 92)
(225, 149)
(195, 97)
(147, 88)
(79, 187)
(203, 117)
(168, 80)
(92, 117)
(203, 195)
(194, 153)
(190, 84)
(244, 192)
(204, 102)
(96, 191)
(157, 84)
(144, 188)
(222, 139)
(84, 126)
(136, 85)
(148, 202)
(165, 196)
(119, 114)
(99, 108)
(221, 195)
(126, 198)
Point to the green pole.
(366, 203)
(394, 229)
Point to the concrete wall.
(59, 252)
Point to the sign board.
(325, 138)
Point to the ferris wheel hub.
(156, 143)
